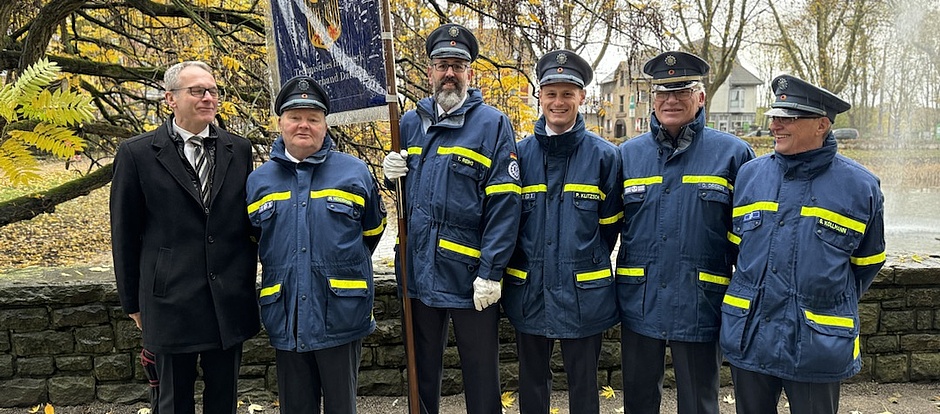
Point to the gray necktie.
(203, 166)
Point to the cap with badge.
(675, 70)
(301, 92)
(563, 66)
(799, 98)
(452, 41)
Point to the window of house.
(736, 99)
(621, 103)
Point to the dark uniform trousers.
(477, 334)
(760, 393)
(331, 373)
(177, 373)
(580, 357)
(696, 365)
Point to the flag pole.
(393, 117)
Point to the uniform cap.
(564, 66)
(452, 40)
(675, 70)
(301, 92)
(797, 97)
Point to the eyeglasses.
(682, 95)
(199, 91)
(783, 120)
(457, 67)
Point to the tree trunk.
(32, 205)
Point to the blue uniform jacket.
(559, 282)
(675, 258)
(463, 197)
(811, 233)
(319, 222)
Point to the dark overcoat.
(189, 270)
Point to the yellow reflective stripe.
(585, 188)
(869, 260)
(656, 179)
(471, 154)
(377, 230)
(833, 217)
(348, 284)
(503, 188)
(737, 302)
(760, 205)
(414, 150)
(270, 197)
(612, 219)
(631, 271)
(708, 277)
(711, 179)
(856, 351)
(839, 321)
(734, 238)
(270, 290)
(355, 198)
(589, 276)
(459, 248)
(535, 188)
(517, 273)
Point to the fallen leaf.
(608, 392)
(49, 409)
(239, 403)
(252, 408)
(508, 399)
(728, 399)
(277, 403)
(917, 258)
(35, 409)
(144, 410)
(395, 403)
(554, 411)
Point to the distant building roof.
(742, 77)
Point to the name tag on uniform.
(713, 187)
(752, 216)
(833, 226)
(634, 189)
(586, 196)
(339, 200)
(464, 160)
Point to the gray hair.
(171, 77)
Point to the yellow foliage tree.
(38, 118)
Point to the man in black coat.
(183, 257)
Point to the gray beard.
(448, 99)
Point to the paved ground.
(865, 398)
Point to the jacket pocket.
(736, 312)
(597, 299)
(712, 286)
(459, 260)
(828, 340)
(161, 270)
(349, 305)
(273, 308)
(631, 290)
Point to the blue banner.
(338, 43)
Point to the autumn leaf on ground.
(35, 409)
(508, 399)
(277, 403)
(608, 392)
(49, 409)
(917, 258)
(239, 403)
(728, 399)
(144, 410)
(554, 410)
(253, 408)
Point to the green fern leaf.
(17, 163)
(36, 77)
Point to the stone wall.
(64, 340)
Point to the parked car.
(759, 133)
(845, 133)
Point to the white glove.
(485, 293)
(395, 165)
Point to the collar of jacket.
(426, 109)
(562, 144)
(809, 164)
(686, 135)
(279, 151)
